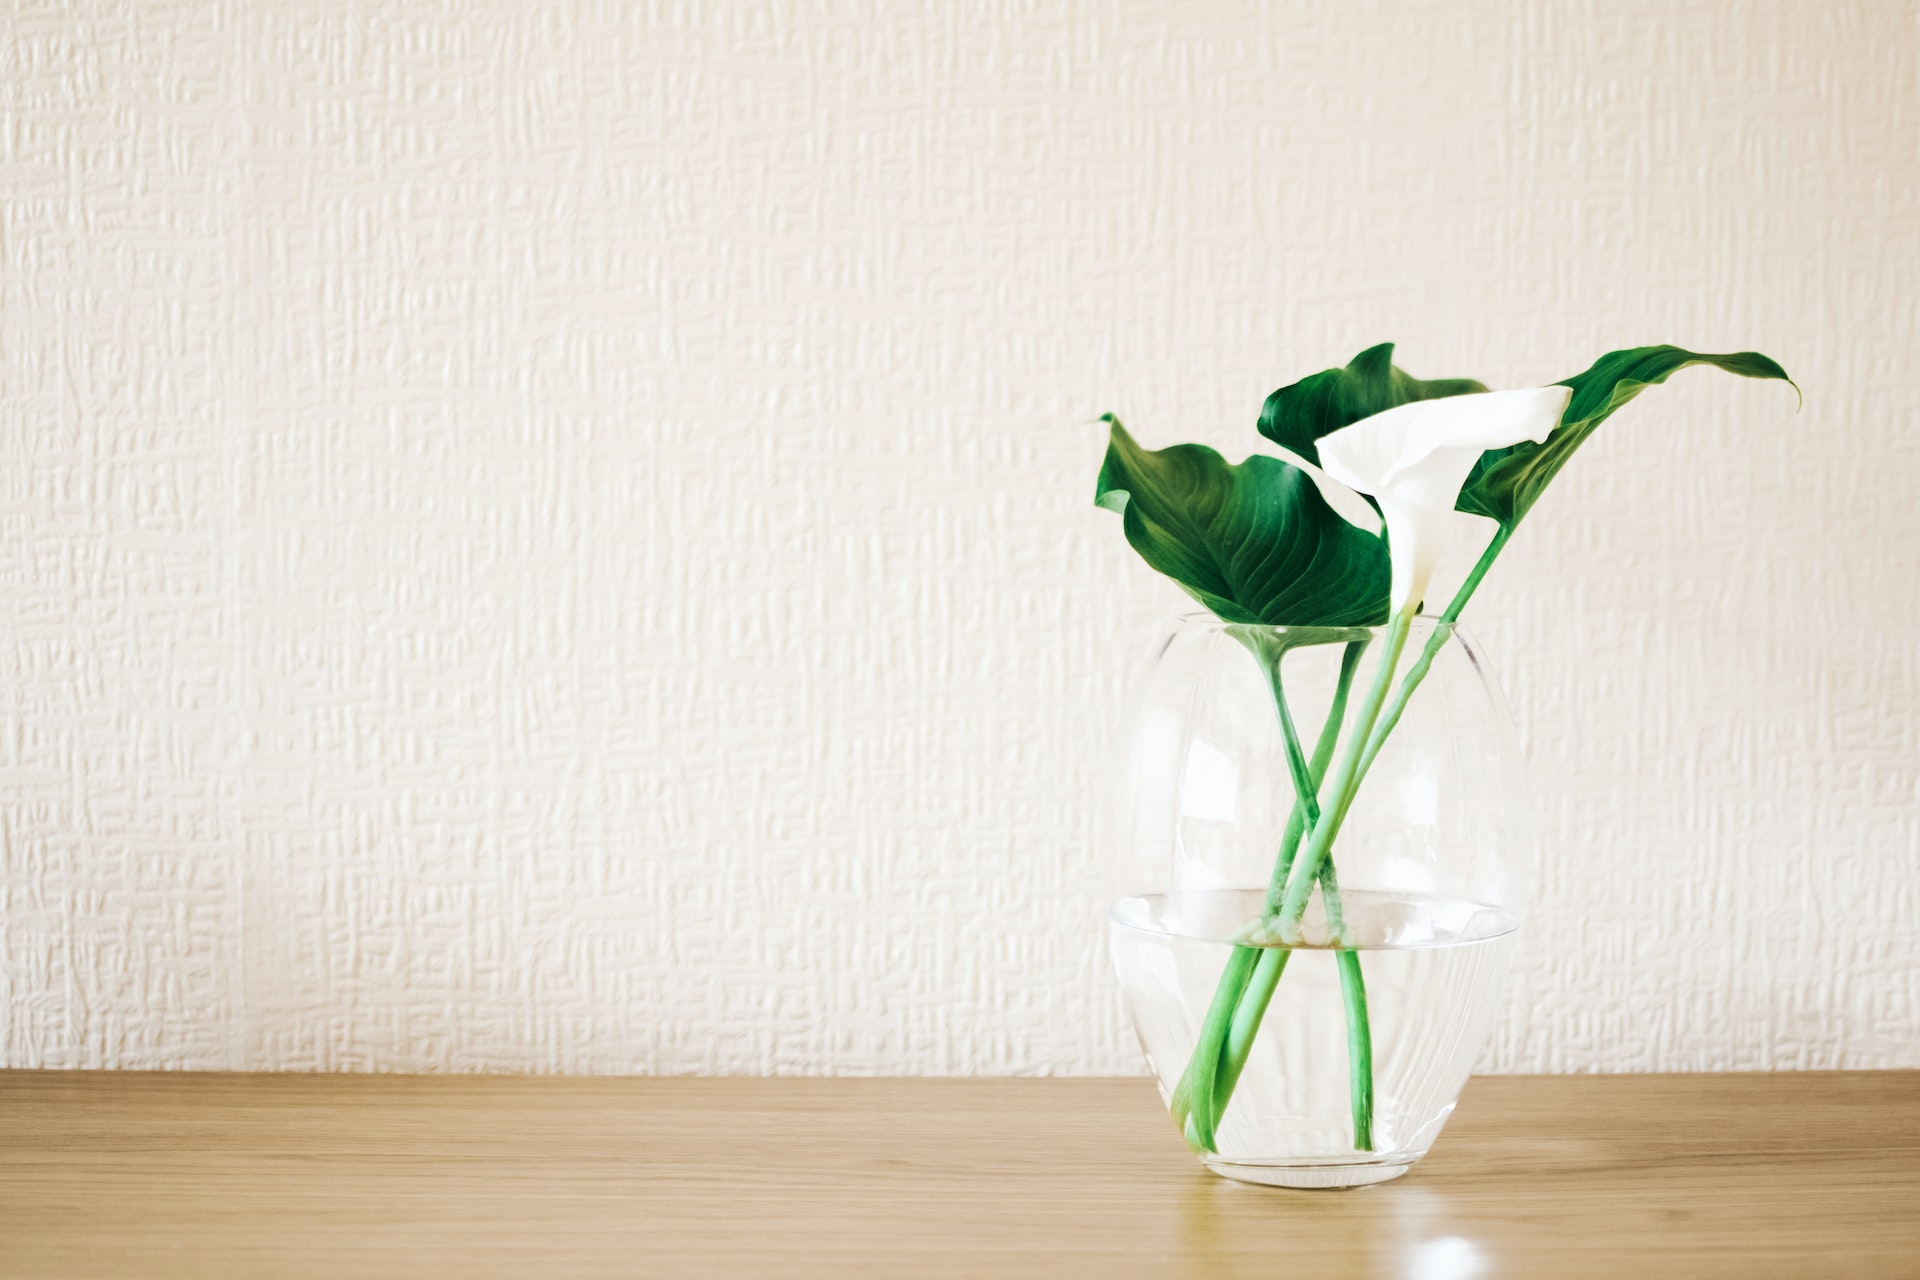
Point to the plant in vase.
(1329, 548)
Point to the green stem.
(1204, 1087)
(1353, 995)
(1418, 671)
(1345, 778)
(1353, 992)
(1330, 899)
(1353, 989)
(1192, 1104)
(1257, 992)
(1251, 990)
(1306, 804)
(1258, 986)
(1255, 995)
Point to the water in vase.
(1434, 968)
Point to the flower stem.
(1306, 804)
(1418, 671)
(1296, 888)
(1193, 1098)
(1267, 971)
(1254, 997)
(1254, 990)
(1257, 993)
(1306, 871)
(1353, 991)
(1246, 988)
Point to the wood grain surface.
(108, 1175)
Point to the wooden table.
(1620, 1176)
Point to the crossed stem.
(1252, 973)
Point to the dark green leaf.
(1255, 543)
(1505, 483)
(1295, 417)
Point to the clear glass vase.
(1311, 982)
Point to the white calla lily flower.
(1413, 459)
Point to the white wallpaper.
(558, 537)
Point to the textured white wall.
(558, 537)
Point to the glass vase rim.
(1205, 618)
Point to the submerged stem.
(1257, 990)
(1193, 1099)
(1255, 995)
(1353, 989)
(1353, 993)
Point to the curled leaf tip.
(1379, 357)
(1507, 482)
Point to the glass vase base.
(1331, 1176)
